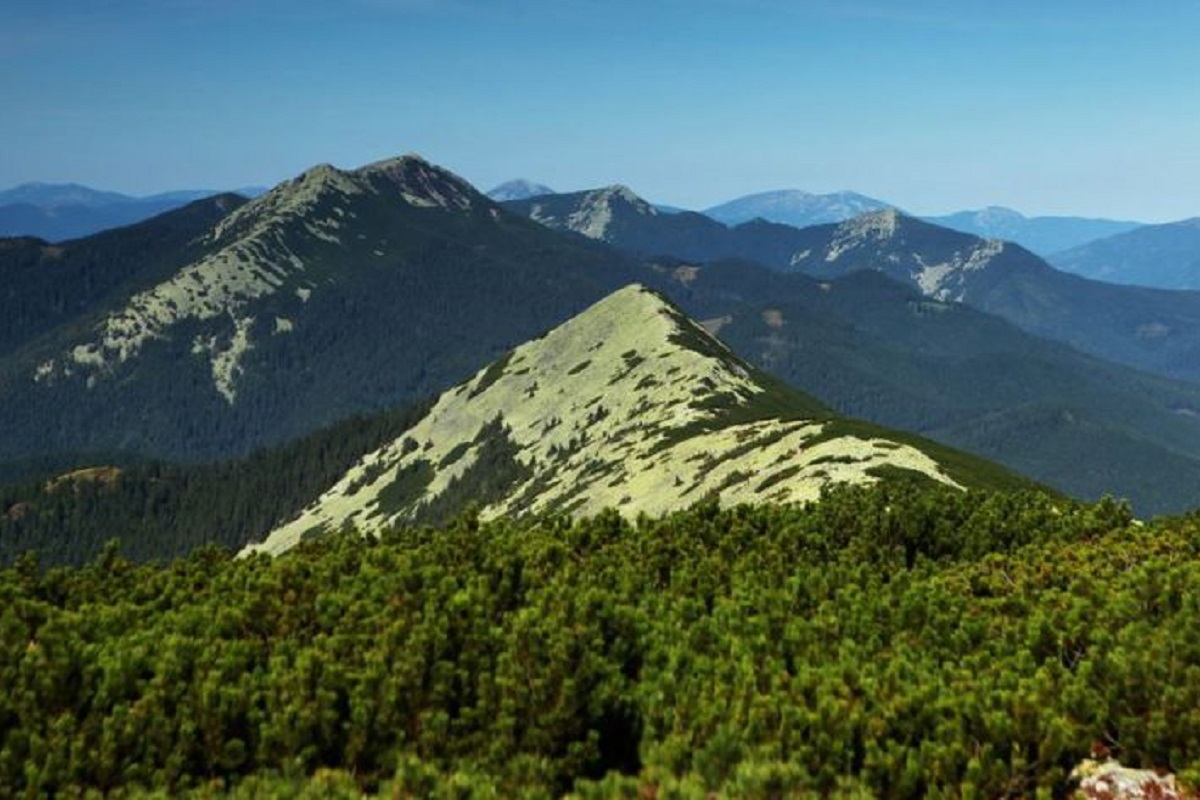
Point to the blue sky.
(1048, 107)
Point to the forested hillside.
(338, 292)
(891, 642)
(160, 511)
(43, 285)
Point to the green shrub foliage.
(894, 641)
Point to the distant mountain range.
(344, 291)
(57, 212)
(799, 209)
(617, 216)
(794, 207)
(1149, 329)
(1166, 256)
(1041, 235)
(63, 195)
(60, 211)
(518, 189)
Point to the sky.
(1049, 107)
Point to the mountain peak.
(518, 189)
(590, 213)
(411, 157)
(396, 166)
(938, 261)
(795, 207)
(629, 405)
(871, 228)
(419, 182)
(59, 195)
(266, 247)
(600, 207)
(632, 300)
(295, 198)
(623, 192)
(319, 177)
(1001, 211)
(876, 225)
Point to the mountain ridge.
(1043, 235)
(628, 405)
(209, 288)
(52, 283)
(1160, 256)
(618, 216)
(1155, 330)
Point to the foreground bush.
(891, 641)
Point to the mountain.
(1152, 329)
(618, 216)
(629, 405)
(941, 263)
(519, 189)
(336, 292)
(62, 211)
(74, 195)
(927, 364)
(601, 214)
(794, 207)
(1166, 256)
(1041, 235)
(346, 291)
(58, 195)
(63, 223)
